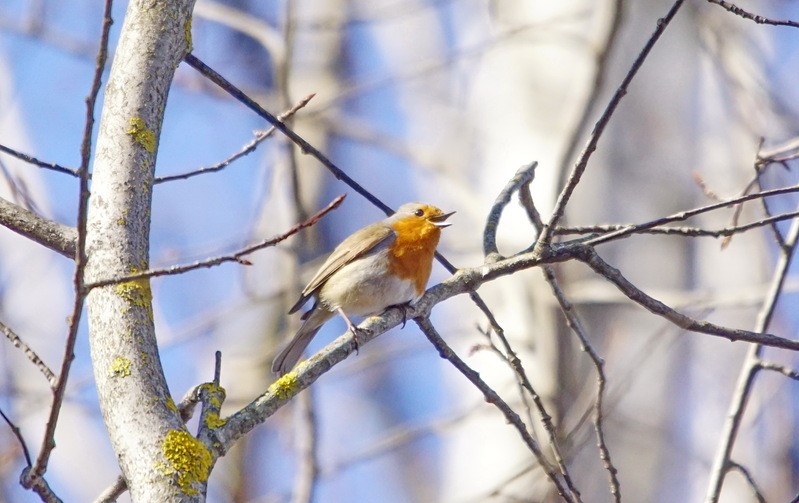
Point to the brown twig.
(493, 398)
(32, 478)
(305, 147)
(520, 182)
(684, 215)
(757, 493)
(576, 325)
(602, 69)
(593, 260)
(247, 149)
(17, 433)
(582, 163)
(36, 162)
(233, 257)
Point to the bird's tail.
(290, 354)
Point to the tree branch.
(57, 237)
(30, 353)
(599, 127)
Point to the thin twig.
(684, 215)
(576, 325)
(749, 480)
(602, 69)
(30, 353)
(749, 370)
(582, 163)
(781, 369)
(305, 147)
(519, 182)
(113, 492)
(17, 433)
(753, 17)
(234, 257)
(493, 398)
(247, 149)
(48, 443)
(36, 162)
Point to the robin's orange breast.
(411, 253)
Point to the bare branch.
(753, 17)
(30, 478)
(685, 215)
(305, 147)
(749, 369)
(113, 492)
(599, 127)
(36, 162)
(689, 232)
(593, 260)
(31, 354)
(57, 237)
(602, 67)
(493, 398)
(249, 148)
(781, 369)
(749, 480)
(523, 175)
(17, 433)
(577, 327)
(234, 257)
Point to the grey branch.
(57, 237)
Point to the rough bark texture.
(159, 460)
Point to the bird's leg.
(351, 327)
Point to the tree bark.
(159, 459)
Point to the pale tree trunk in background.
(524, 116)
(306, 61)
(145, 430)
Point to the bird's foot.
(403, 308)
(353, 329)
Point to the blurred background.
(438, 101)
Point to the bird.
(384, 264)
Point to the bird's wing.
(356, 245)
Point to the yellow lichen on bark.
(187, 459)
(141, 134)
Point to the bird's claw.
(403, 308)
(355, 333)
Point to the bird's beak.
(439, 221)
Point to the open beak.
(440, 220)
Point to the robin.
(384, 264)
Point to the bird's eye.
(419, 212)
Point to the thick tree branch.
(57, 237)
